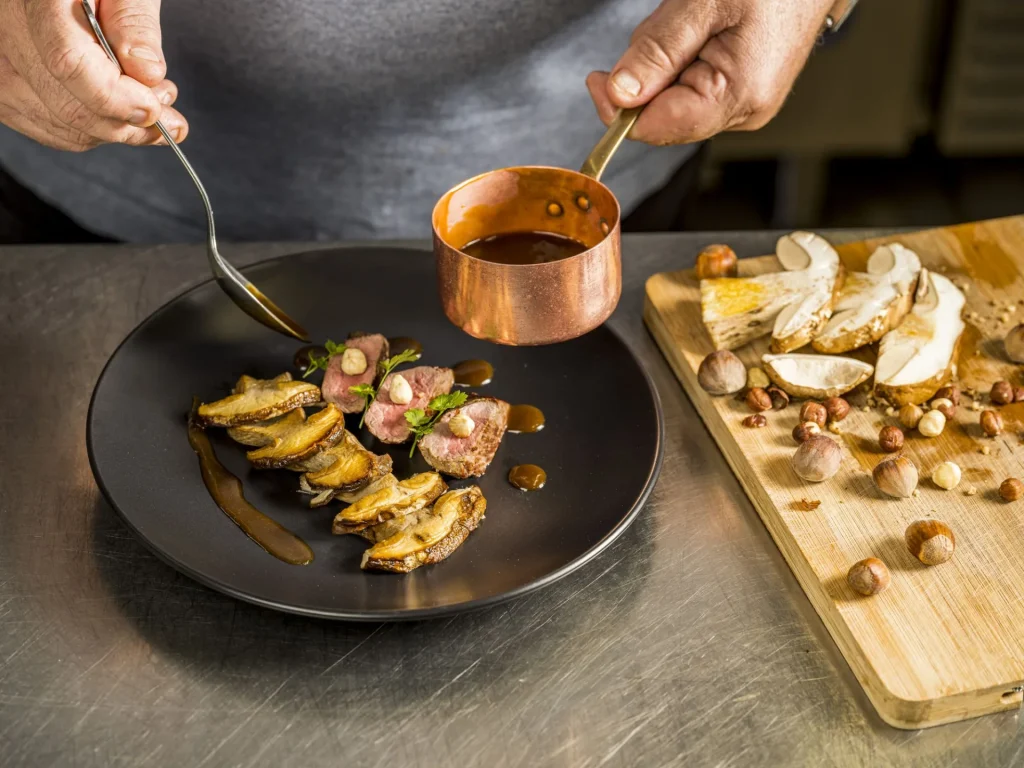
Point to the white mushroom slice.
(815, 376)
(919, 356)
(408, 496)
(301, 442)
(872, 303)
(258, 400)
(261, 433)
(320, 498)
(792, 305)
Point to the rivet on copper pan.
(584, 203)
(604, 226)
(554, 209)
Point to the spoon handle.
(602, 152)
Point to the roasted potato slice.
(346, 466)
(258, 400)
(395, 501)
(261, 433)
(428, 536)
(307, 438)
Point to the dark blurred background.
(911, 115)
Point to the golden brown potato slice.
(317, 433)
(261, 433)
(395, 501)
(428, 536)
(258, 400)
(346, 466)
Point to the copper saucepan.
(526, 304)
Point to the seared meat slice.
(323, 497)
(405, 498)
(301, 440)
(337, 382)
(346, 466)
(467, 456)
(258, 400)
(431, 537)
(386, 419)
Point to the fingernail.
(144, 53)
(138, 117)
(624, 81)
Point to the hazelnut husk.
(758, 400)
(801, 432)
(944, 406)
(780, 400)
(930, 541)
(836, 408)
(1002, 393)
(868, 577)
(896, 477)
(1014, 344)
(1011, 489)
(722, 373)
(910, 415)
(755, 421)
(1018, 394)
(991, 423)
(811, 411)
(949, 393)
(716, 261)
(817, 458)
(890, 439)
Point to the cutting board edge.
(907, 714)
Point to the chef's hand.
(58, 87)
(705, 66)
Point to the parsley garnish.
(369, 392)
(320, 363)
(423, 424)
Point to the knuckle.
(75, 114)
(653, 50)
(134, 19)
(65, 64)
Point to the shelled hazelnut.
(890, 439)
(758, 400)
(811, 411)
(930, 541)
(932, 424)
(910, 415)
(991, 423)
(722, 373)
(1014, 344)
(947, 475)
(780, 400)
(944, 406)
(817, 458)
(1011, 489)
(801, 432)
(896, 477)
(868, 577)
(836, 408)
(716, 261)
(1002, 393)
(949, 393)
(755, 421)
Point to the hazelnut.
(801, 432)
(1011, 489)
(1014, 344)
(716, 261)
(890, 439)
(811, 411)
(817, 458)
(1018, 394)
(755, 421)
(950, 393)
(896, 477)
(757, 378)
(779, 398)
(930, 541)
(836, 408)
(1002, 393)
(758, 400)
(399, 390)
(932, 424)
(991, 423)
(910, 415)
(944, 406)
(946, 475)
(461, 425)
(868, 577)
(721, 373)
(353, 361)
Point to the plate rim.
(391, 614)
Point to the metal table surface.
(688, 642)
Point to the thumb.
(132, 28)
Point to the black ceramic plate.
(601, 446)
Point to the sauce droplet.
(473, 373)
(527, 477)
(301, 359)
(525, 418)
(400, 344)
(226, 490)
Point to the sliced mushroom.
(345, 466)
(919, 356)
(307, 438)
(792, 305)
(430, 537)
(258, 400)
(261, 433)
(405, 498)
(323, 497)
(872, 303)
(815, 376)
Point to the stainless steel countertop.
(688, 642)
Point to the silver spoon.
(246, 295)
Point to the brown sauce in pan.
(525, 418)
(524, 248)
(301, 359)
(527, 477)
(399, 344)
(226, 490)
(473, 373)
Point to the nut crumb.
(986, 450)
(866, 408)
(835, 429)
(916, 493)
(806, 505)
(890, 411)
(971, 491)
(975, 406)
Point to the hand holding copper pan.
(531, 255)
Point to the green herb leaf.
(416, 417)
(334, 349)
(320, 363)
(369, 392)
(443, 403)
(405, 356)
(423, 424)
(363, 390)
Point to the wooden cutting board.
(943, 643)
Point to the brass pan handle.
(602, 152)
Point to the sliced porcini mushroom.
(792, 305)
(323, 497)
(345, 466)
(307, 438)
(871, 303)
(430, 536)
(258, 400)
(919, 356)
(406, 497)
(815, 376)
(261, 433)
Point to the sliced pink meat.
(386, 419)
(335, 388)
(467, 456)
